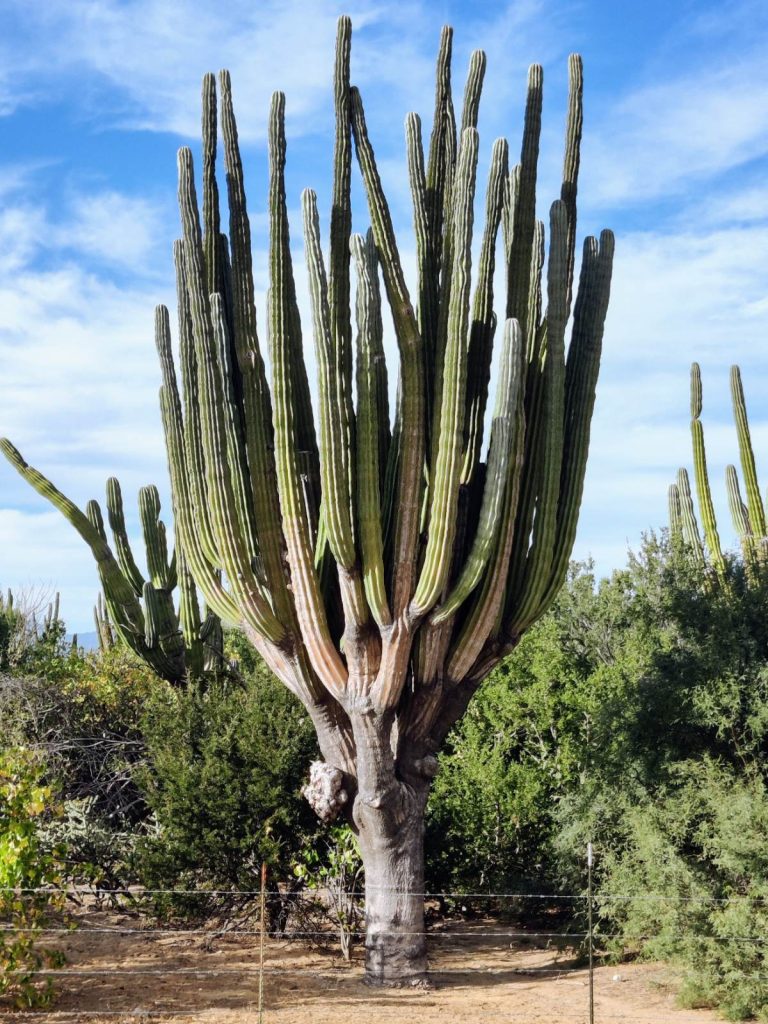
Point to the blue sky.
(96, 96)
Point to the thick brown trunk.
(395, 942)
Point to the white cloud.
(665, 137)
(115, 228)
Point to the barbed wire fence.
(584, 943)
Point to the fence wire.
(556, 969)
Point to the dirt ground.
(480, 974)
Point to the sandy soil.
(479, 974)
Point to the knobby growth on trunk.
(383, 563)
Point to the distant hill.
(88, 641)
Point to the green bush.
(223, 772)
(82, 715)
(696, 859)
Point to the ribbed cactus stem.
(691, 534)
(162, 572)
(368, 442)
(312, 617)
(701, 476)
(675, 513)
(411, 438)
(335, 426)
(739, 511)
(116, 518)
(754, 499)
(572, 158)
(483, 317)
(525, 213)
(504, 443)
(447, 470)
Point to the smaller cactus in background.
(749, 519)
(175, 643)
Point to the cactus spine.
(385, 570)
(749, 520)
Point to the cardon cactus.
(384, 564)
(749, 519)
(176, 644)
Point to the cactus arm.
(412, 418)
(424, 257)
(189, 618)
(124, 607)
(229, 535)
(103, 626)
(257, 403)
(378, 358)
(523, 228)
(368, 444)
(740, 517)
(234, 440)
(116, 518)
(437, 174)
(572, 159)
(535, 434)
(539, 562)
(447, 470)
(701, 476)
(472, 90)
(310, 610)
(189, 537)
(691, 534)
(335, 429)
(193, 438)
(754, 499)
(739, 511)
(109, 570)
(161, 572)
(212, 250)
(483, 614)
(581, 372)
(508, 396)
(675, 514)
(483, 320)
(339, 261)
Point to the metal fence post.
(262, 918)
(591, 941)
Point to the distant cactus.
(176, 644)
(382, 566)
(749, 519)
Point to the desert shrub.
(223, 772)
(700, 852)
(82, 716)
(26, 871)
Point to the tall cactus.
(383, 568)
(176, 644)
(749, 520)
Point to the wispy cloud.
(84, 259)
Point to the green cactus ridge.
(749, 521)
(368, 556)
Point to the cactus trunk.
(392, 849)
